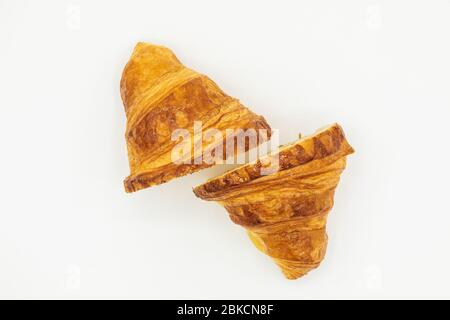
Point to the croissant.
(161, 95)
(285, 212)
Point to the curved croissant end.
(285, 212)
(161, 95)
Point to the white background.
(379, 68)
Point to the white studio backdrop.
(379, 68)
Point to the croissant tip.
(197, 192)
(142, 45)
(295, 276)
(128, 186)
(138, 47)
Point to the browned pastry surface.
(161, 95)
(285, 212)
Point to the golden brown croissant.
(285, 212)
(161, 95)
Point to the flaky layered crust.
(285, 212)
(161, 95)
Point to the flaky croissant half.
(161, 95)
(285, 212)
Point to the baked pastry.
(285, 212)
(161, 95)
